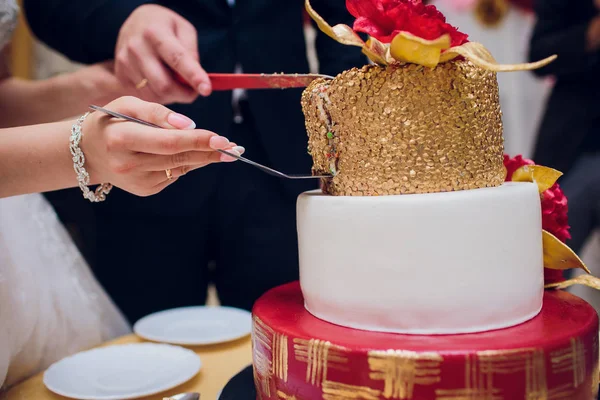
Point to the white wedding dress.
(50, 304)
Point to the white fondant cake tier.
(439, 263)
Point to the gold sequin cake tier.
(406, 129)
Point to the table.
(219, 364)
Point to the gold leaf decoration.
(586, 280)
(558, 255)
(406, 47)
(544, 177)
(412, 49)
(376, 51)
(476, 50)
(480, 56)
(340, 33)
(283, 396)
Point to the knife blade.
(262, 81)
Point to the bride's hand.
(135, 157)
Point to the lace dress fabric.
(51, 306)
(8, 20)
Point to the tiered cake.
(421, 269)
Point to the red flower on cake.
(554, 212)
(513, 164)
(554, 201)
(384, 19)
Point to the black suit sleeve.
(86, 31)
(561, 28)
(333, 56)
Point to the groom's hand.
(155, 45)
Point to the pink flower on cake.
(385, 19)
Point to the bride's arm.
(130, 156)
(32, 102)
(35, 159)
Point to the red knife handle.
(253, 81)
(238, 81)
(232, 81)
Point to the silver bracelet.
(83, 178)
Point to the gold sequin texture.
(406, 129)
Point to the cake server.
(262, 81)
(265, 169)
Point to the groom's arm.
(86, 31)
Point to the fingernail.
(226, 158)
(218, 142)
(239, 149)
(180, 121)
(204, 89)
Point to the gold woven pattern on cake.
(406, 129)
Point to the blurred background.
(33, 60)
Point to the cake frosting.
(299, 357)
(438, 263)
(406, 129)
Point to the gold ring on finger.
(142, 84)
(169, 174)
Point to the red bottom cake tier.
(299, 357)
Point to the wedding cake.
(429, 261)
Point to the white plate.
(194, 326)
(122, 371)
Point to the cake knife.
(259, 81)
